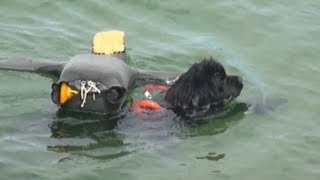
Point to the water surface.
(273, 45)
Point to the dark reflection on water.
(212, 157)
(109, 142)
(80, 125)
(218, 123)
(68, 124)
(105, 156)
(111, 132)
(98, 157)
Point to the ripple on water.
(273, 45)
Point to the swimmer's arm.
(44, 67)
(166, 76)
(144, 77)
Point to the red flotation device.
(144, 106)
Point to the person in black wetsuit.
(99, 82)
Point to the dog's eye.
(217, 74)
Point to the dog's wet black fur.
(204, 88)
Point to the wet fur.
(205, 86)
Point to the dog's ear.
(203, 85)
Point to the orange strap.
(151, 87)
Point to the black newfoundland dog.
(204, 89)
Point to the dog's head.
(203, 87)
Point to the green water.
(273, 45)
